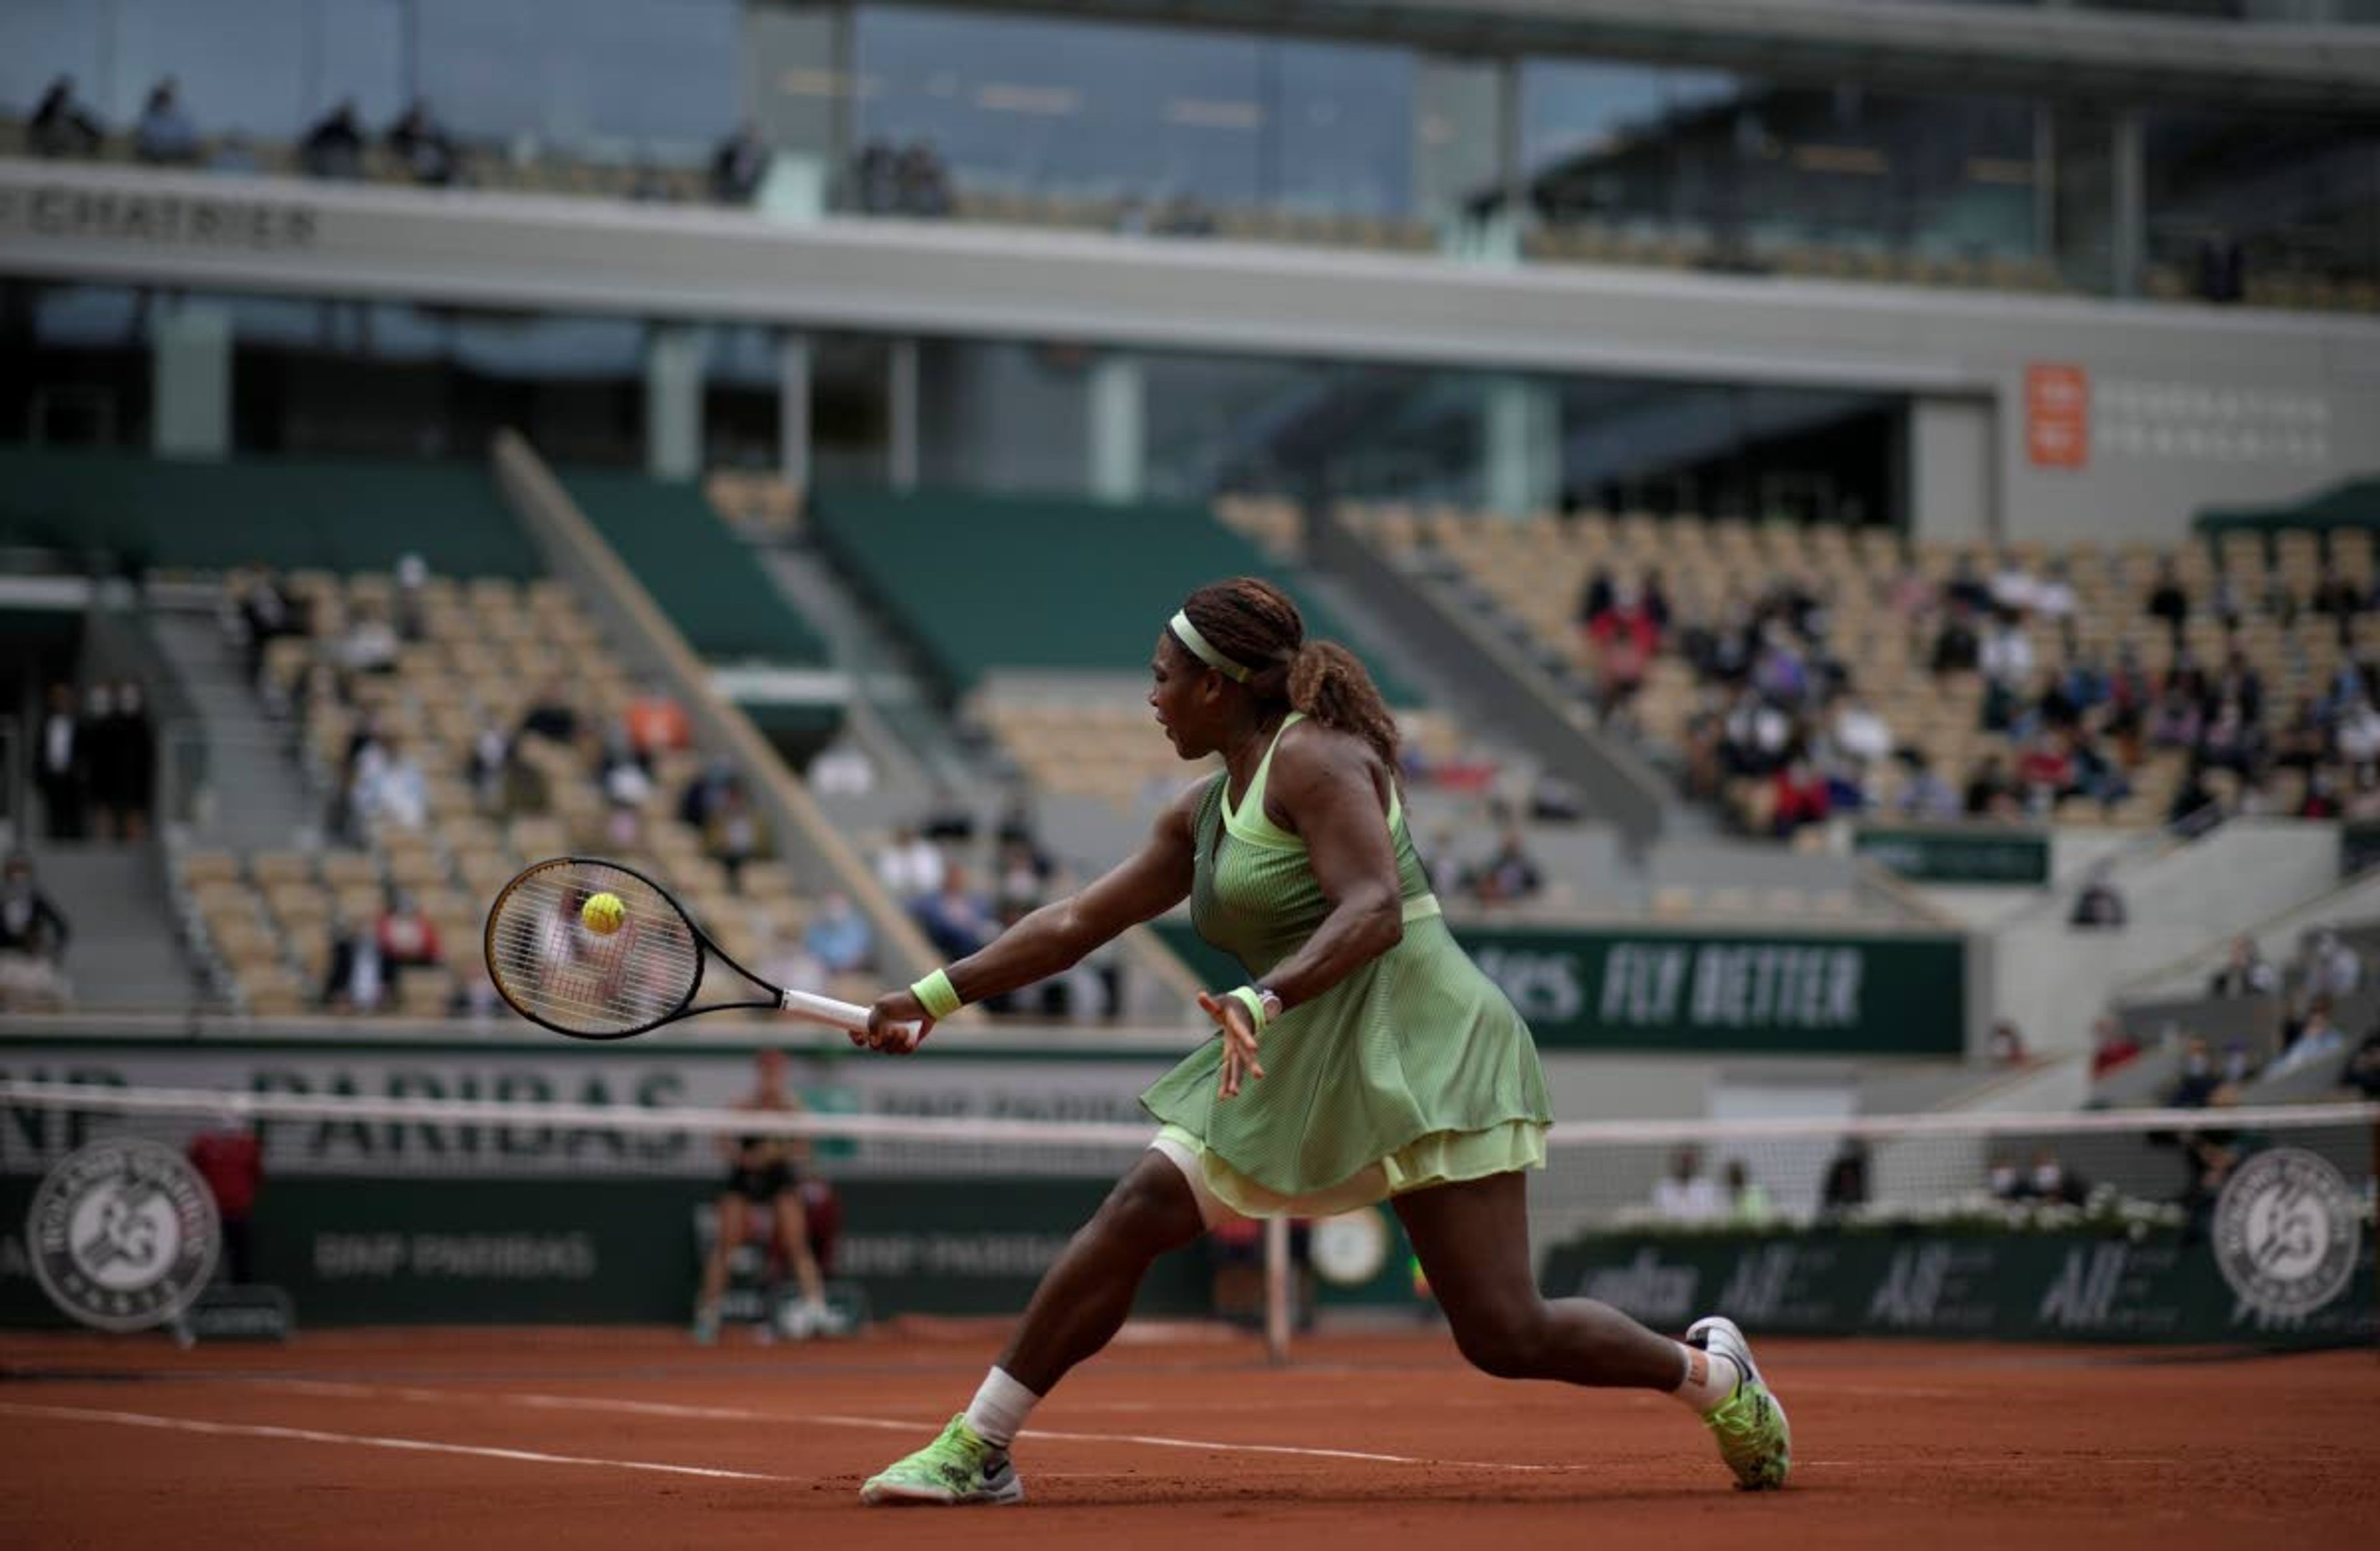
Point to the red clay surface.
(545, 1439)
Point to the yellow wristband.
(936, 995)
(1246, 997)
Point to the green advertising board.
(1958, 855)
(1664, 989)
(2164, 1286)
(420, 1251)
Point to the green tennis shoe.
(1754, 1437)
(957, 1468)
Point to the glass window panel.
(238, 63)
(608, 77)
(360, 53)
(2299, 198)
(47, 39)
(1345, 141)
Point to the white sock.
(998, 1412)
(1709, 1379)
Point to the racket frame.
(803, 1005)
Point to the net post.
(1276, 1284)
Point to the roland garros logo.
(2287, 1230)
(122, 1234)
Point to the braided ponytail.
(1253, 622)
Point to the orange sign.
(2057, 416)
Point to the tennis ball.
(604, 913)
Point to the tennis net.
(2215, 1225)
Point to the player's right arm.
(1143, 886)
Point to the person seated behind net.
(33, 938)
(1687, 1194)
(764, 1186)
(62, 126)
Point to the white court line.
(831, 1418)
(363, 1440)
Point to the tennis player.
(1368, 1058)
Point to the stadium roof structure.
(2176, 60)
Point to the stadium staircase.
(246, 792)
(125, 953)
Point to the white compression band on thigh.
(1211, 1211)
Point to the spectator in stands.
(1925, 795)
(922, 181)
(1844, 1190)
(2045, 774)
(123, 764)
(954, 917)
(2220, 268)
(62, 126)
(230, 1159)
(839, 938)
(34, 937)
(1018, 883)
(2245, 974)
(1749, 1204)
(1990, 793)
(1799, 798)
(164, 135)
(2327, 967)
(1860, 732)
(628, 786)
(2168, 599)
(420, 145)
(2050, 1180)
(842, 767)
(736, 833)
(657, 725)
(739, 165)
(355, 979)
(475, 994)
(268, 613)
(370, 644)
(705, 794)
(491, 752)
(335, 146)
(1624, 637)
(62, 766)
(1956, 646)
(2112, 1046)
(910, 866)
(407, 937)
(2317, 1040)
(2199, 1078)
(2195, 808)
(389, 787)
(1508, 875)
(1685, 1195)
(550, 716)
(2098, 905)
(412, 597)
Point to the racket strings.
(552, 967)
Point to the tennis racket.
(558, 970)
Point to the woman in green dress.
(1366, 1059)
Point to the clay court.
(1178, 1437)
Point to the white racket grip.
(846, 1016)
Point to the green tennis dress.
(1414, 1070)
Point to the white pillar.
(793, 411)
(1119, 428)
(674, 364)
(190, 375)
(1524, 446)
(901, 389)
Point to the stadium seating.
(486, 651)
(1533, 572)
